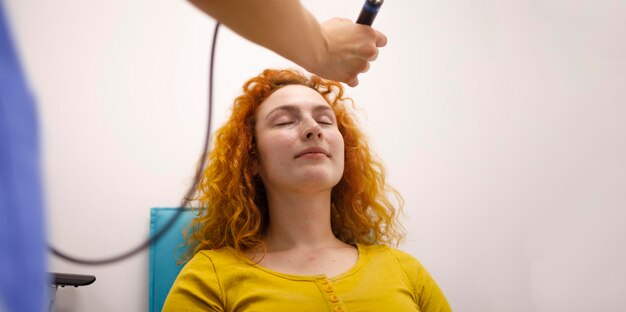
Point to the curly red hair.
(233, 205)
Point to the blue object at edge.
(24, 281)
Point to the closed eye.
(326, 117)
(325, 120)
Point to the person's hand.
(350, 49)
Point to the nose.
(313, 134)
(312, 131)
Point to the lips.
(312, 150)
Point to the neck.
(299, 221)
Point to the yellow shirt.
(383, 279)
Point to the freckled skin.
(283, 133)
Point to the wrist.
(314, 55)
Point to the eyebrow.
(294, 109)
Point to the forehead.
(293, 95)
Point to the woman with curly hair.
(295, 212)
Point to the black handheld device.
(369, 11)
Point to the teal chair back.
(165, 253)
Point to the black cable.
(153, 239)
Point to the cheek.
(273, 147)
(337, 141)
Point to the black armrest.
(63, 279)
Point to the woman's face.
(299, 146)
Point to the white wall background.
(503, 124)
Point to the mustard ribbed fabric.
(383, 279)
